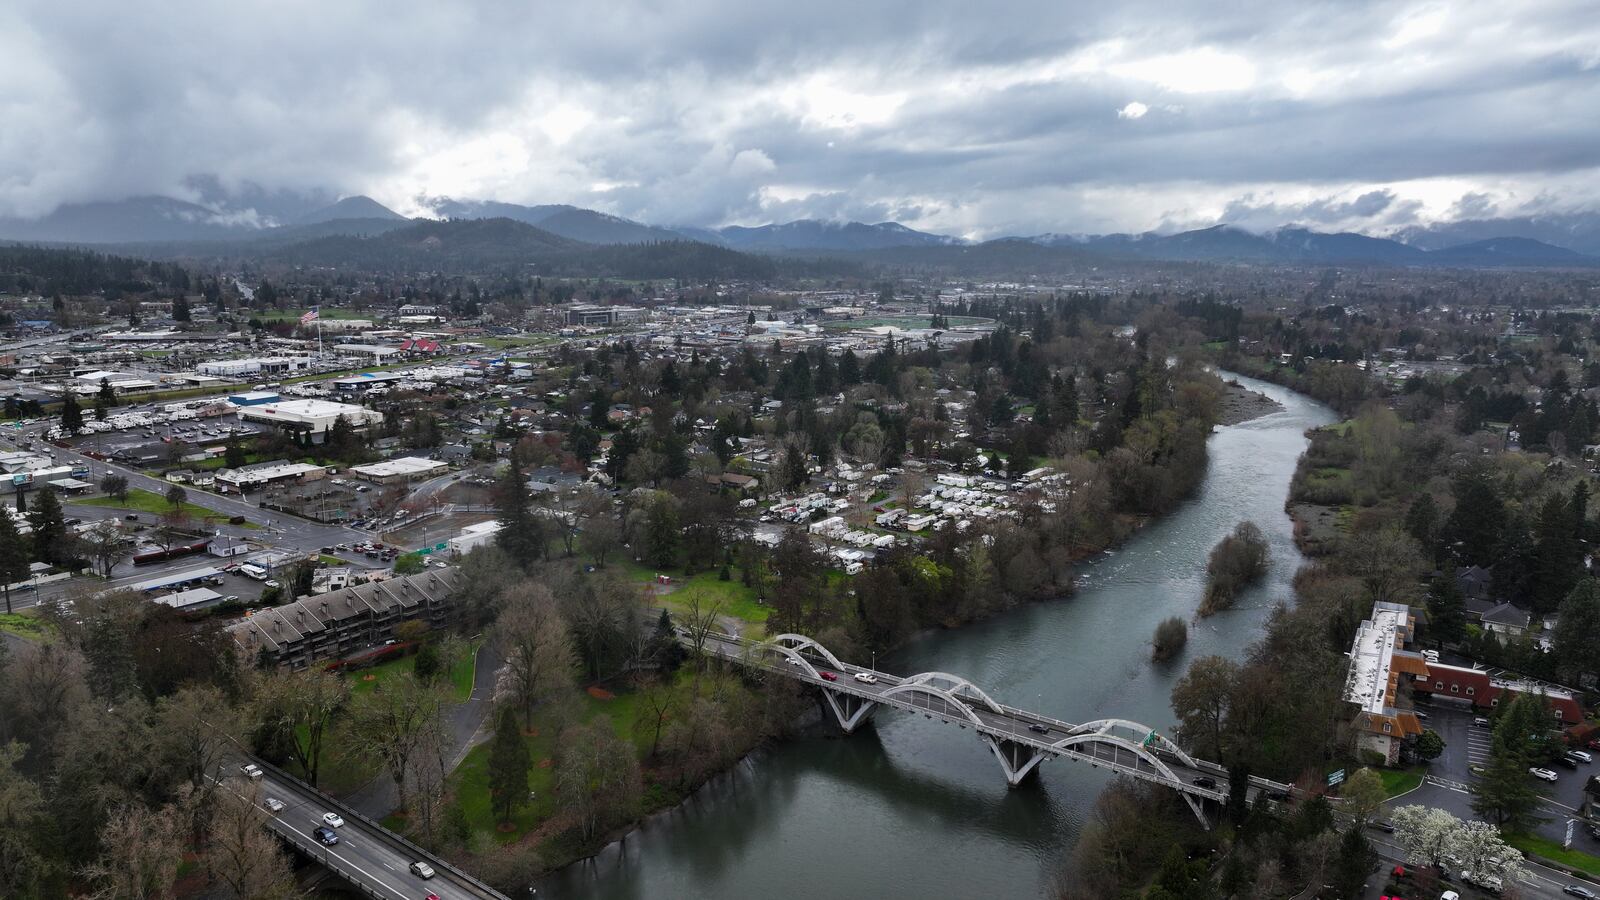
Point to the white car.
(251, 771)
(1545, 774)
(1581, 754)
(334, 820)
(274, 804)
(866, 678)
(421, 869)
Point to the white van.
(251, 570)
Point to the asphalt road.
(363, 852)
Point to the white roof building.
(312, 416)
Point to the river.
(911, 808)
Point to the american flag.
(310, 316)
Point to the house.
(1507, 620)
(1475, 582)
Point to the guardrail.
(466, 880)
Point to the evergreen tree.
(521, 532)
(13, 557)
(1447, 610)
(233, 456)
(49, 528)
(1422, 520)
(71, 414)
(1557, 556)
(1503, 794)
(508, 767)
(180, 309)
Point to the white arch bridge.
(1020, 739)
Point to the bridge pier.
(1017, 760)
(848, 709)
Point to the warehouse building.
(592, 315)
(309, 419)
(474, 536)
(267, 365)
(399, 471)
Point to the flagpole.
(321, 356)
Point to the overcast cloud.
(978, 119)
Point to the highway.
(368, 856)
(1021, 738)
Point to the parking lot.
(1450, 777)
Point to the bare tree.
(301, 705)
(427, 770)
(141, 849)
(393, 720)
(597, 775)
(660, 701)
(42, 684)
(700, 619)
(106, 545)
(241, 856)
(195, 730)
(537, 648)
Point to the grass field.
(24, 625)
(141, 500)
(736, 599)
(364, 680)
(1397, 782)
(1552, 850)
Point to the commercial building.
(310, 419)
(254, 398)
(375, 353)
(333, 625)
(266, 365)
(1377, 660)
(366, 380)
(473, 537)
(398, 471)
(248, 478)
(594, 316)
(1485, 688)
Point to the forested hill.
(468, 246)
(47, 271)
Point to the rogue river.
(908, 808)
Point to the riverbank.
(1240, 405)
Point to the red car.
(431, 897)
(828, 676)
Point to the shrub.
(1238, 561)
(1171, 635)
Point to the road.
(1539, 881)
(366, 854)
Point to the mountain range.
(166, 226)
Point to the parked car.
(326, 835)
(1481, 722)
(1580, 756)
(1544, 774)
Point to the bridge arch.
(920, 687)
(1111, 726)
(800, 642)
(956, 686)
(789, 653)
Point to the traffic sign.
(1335, 777)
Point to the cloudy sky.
(979, 119)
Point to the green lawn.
(736, 599)
(141, 500)
(469, 784)
(364, 680)
(1397, 782)
(24, 625)
(1552, 850)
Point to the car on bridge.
(866, 678)
(421, 869)
(251, 771)
(1206, 781)
(828, 676)
(273, 804)
(332, 819)
(1036, 728)
(326, 835)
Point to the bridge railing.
(469, 882)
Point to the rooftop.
(1369, 684)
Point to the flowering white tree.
(1432, 836)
